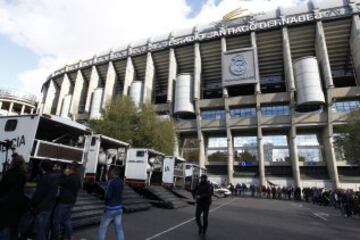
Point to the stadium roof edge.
(145, 45)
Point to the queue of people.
(50, 205)
(348, 201)
(52, 202)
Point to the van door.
(20, 132)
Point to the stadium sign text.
(222, 29)
(249, 26)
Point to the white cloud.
(63, 31)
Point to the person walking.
(12, 200)
(44, 199)
(203, 194)
(113, 206)
(70, 184)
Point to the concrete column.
(355, 46)
(322, 55)
(257, 73)
(294, 156)
(176, 147)
(197, 71)
(329, 150)
(109, 85)
(149, 79)
(22, 110)
(11, 108)
(32, 111)
(230, 144)
(172, 75)
(230, 148)
(93, 84)
(49, 97)
(76, 97)
(1, 104)
(330, 155)
(202, 152)
(288, 65)
(262, 178)
(129, 75)
(64, 90)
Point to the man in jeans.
(113, 206)
(70, 185)
(44, 199)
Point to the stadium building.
(13, 102)
(257, 98)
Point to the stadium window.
(190, 149)
(213, 114)
(343, 77)
(276, 148)
(217, 149)
(275, 110)
(245, 148)
(272, 84)
(242, 90)
(309, 148)
(346, 105)
(243, 112)
(217, 142)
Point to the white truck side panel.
(136, 165)
(188, 170)
(92, 157)
(168, 170)
(22, 136)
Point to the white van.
(173, 173)
(143, 166)
(39, 137)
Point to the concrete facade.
(333, 38)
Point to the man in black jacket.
(203, 194)
(44, 199)
(70, 184)
(12, 200)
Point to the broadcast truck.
(39, 137)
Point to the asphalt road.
(238, 218)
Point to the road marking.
(321, 215)
(187, 221)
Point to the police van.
(47, 137)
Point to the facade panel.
(267, 135)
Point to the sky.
(38, 37)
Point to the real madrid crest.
(238, 65)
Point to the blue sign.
(246, 163)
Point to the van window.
(10, 125)
(93, 141)
(140, 153)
